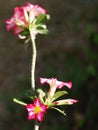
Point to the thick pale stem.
(36, 126)
(33, 61)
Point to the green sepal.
(41, 94)
(58, 94)
(19, 101)
(27, 40)
(41, 99)
(59, 110)
(42, 31)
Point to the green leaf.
(59, 110)
(19, 102)
(25, 32)
(30, 93)
(40, 18)
(58, 94)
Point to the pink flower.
(17, 22)
(36, 110)
(54, 84)
(23, 17)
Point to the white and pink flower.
(54, 84)
(23, 16)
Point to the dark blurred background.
(69, 52)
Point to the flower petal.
(43, 80)
(31, 115)
(61, 84)
(39, 116)
(65, 102)
(36, 102)
(29, 107)
(43, 108)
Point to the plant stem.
(36, 126)
(33, 61)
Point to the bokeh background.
(69, 52)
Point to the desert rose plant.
(27, 22)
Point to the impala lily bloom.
(23, 18)
(54, 84)
(36, 110)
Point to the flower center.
(37, 109)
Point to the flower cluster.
(27, 18)
(46, 100)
